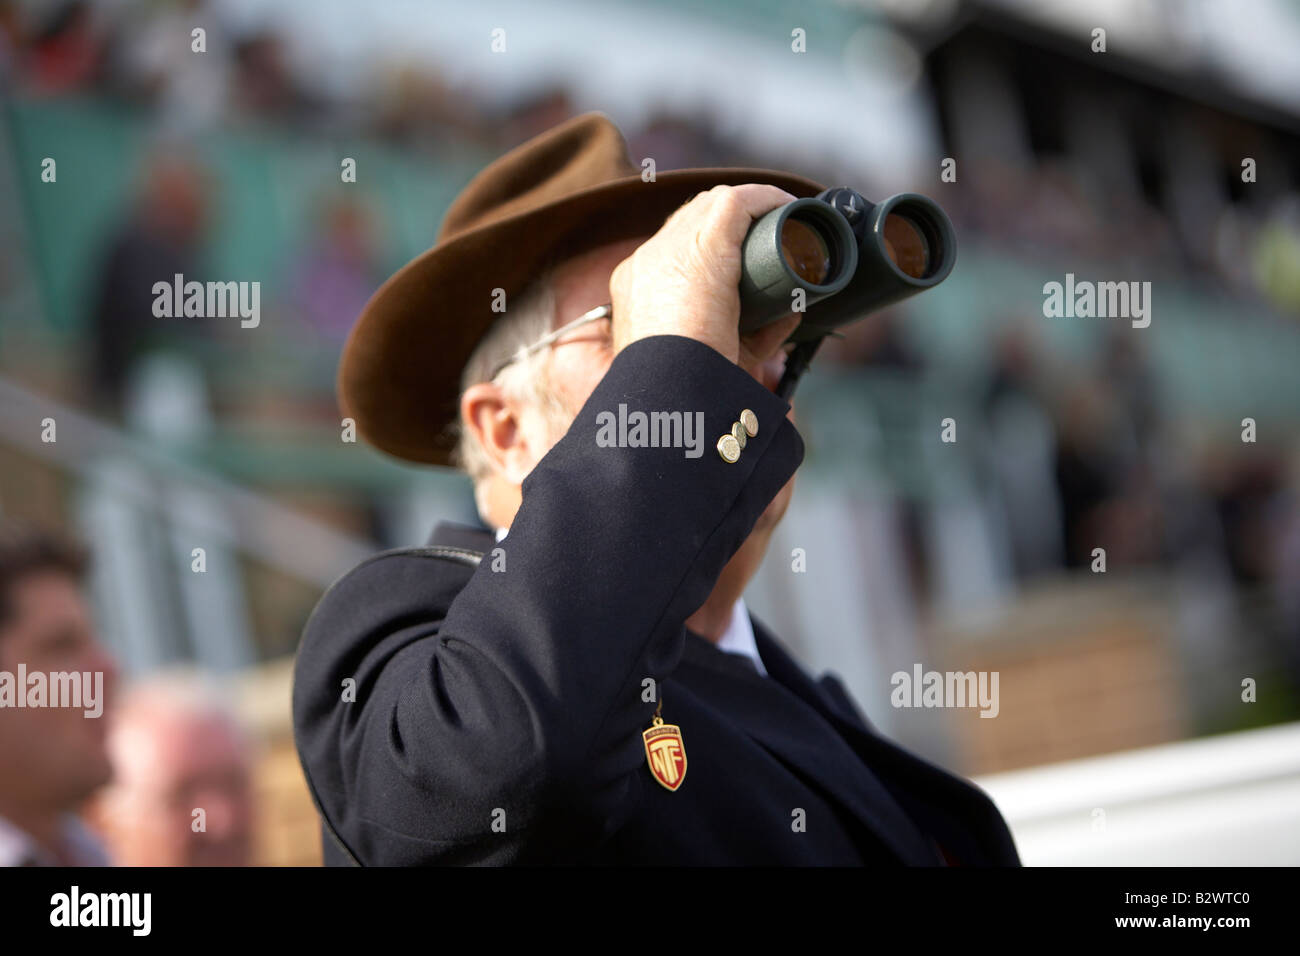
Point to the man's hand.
(685, 279)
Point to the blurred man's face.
(52, 757)
(167, 768)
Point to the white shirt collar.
(15, 845)
(738, 638)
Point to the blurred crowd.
(1247, 249)
(1079, 452)
(141, 52)
(1076, 453)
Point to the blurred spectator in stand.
(411, 103)
(157, 63)
(11, 40)
(262, 84)
(1106, 482)
(1020, 454)
(1130, 378)
(338, 271)
(1059, 211)
(1087, 471)
(677, 142)
(160, 239)
(52, 758)
(66, 52)
(182, 768)
(547, 109)
(1277, 255)
(1249, 500)
(877, 343)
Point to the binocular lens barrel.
(837, 257)
(804, 245)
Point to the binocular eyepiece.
(836, 257)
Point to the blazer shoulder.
(834, 688)
(395, 576)
(383, 593)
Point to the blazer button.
(729, 448)
(738, 433)
(750, 421)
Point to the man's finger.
(759, 346)
(738, 206)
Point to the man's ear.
(496, 421)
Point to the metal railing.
(1227, 800)
(145, 511)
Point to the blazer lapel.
(954, 797)
(861, 734)
(763, 706)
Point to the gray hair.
(531, 317)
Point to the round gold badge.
(729, 448)
(738, 433)
(750, 421)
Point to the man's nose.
(227, 811)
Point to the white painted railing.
(1228, 800)
(143, 511)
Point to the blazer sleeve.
(510, 729)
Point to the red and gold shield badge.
(665, 752)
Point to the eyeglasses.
(594, 315)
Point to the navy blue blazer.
(471, 702)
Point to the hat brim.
(399, 377)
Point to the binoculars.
(848, 257)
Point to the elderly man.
(182, 790)
(585, 685)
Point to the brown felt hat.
(568, 190)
